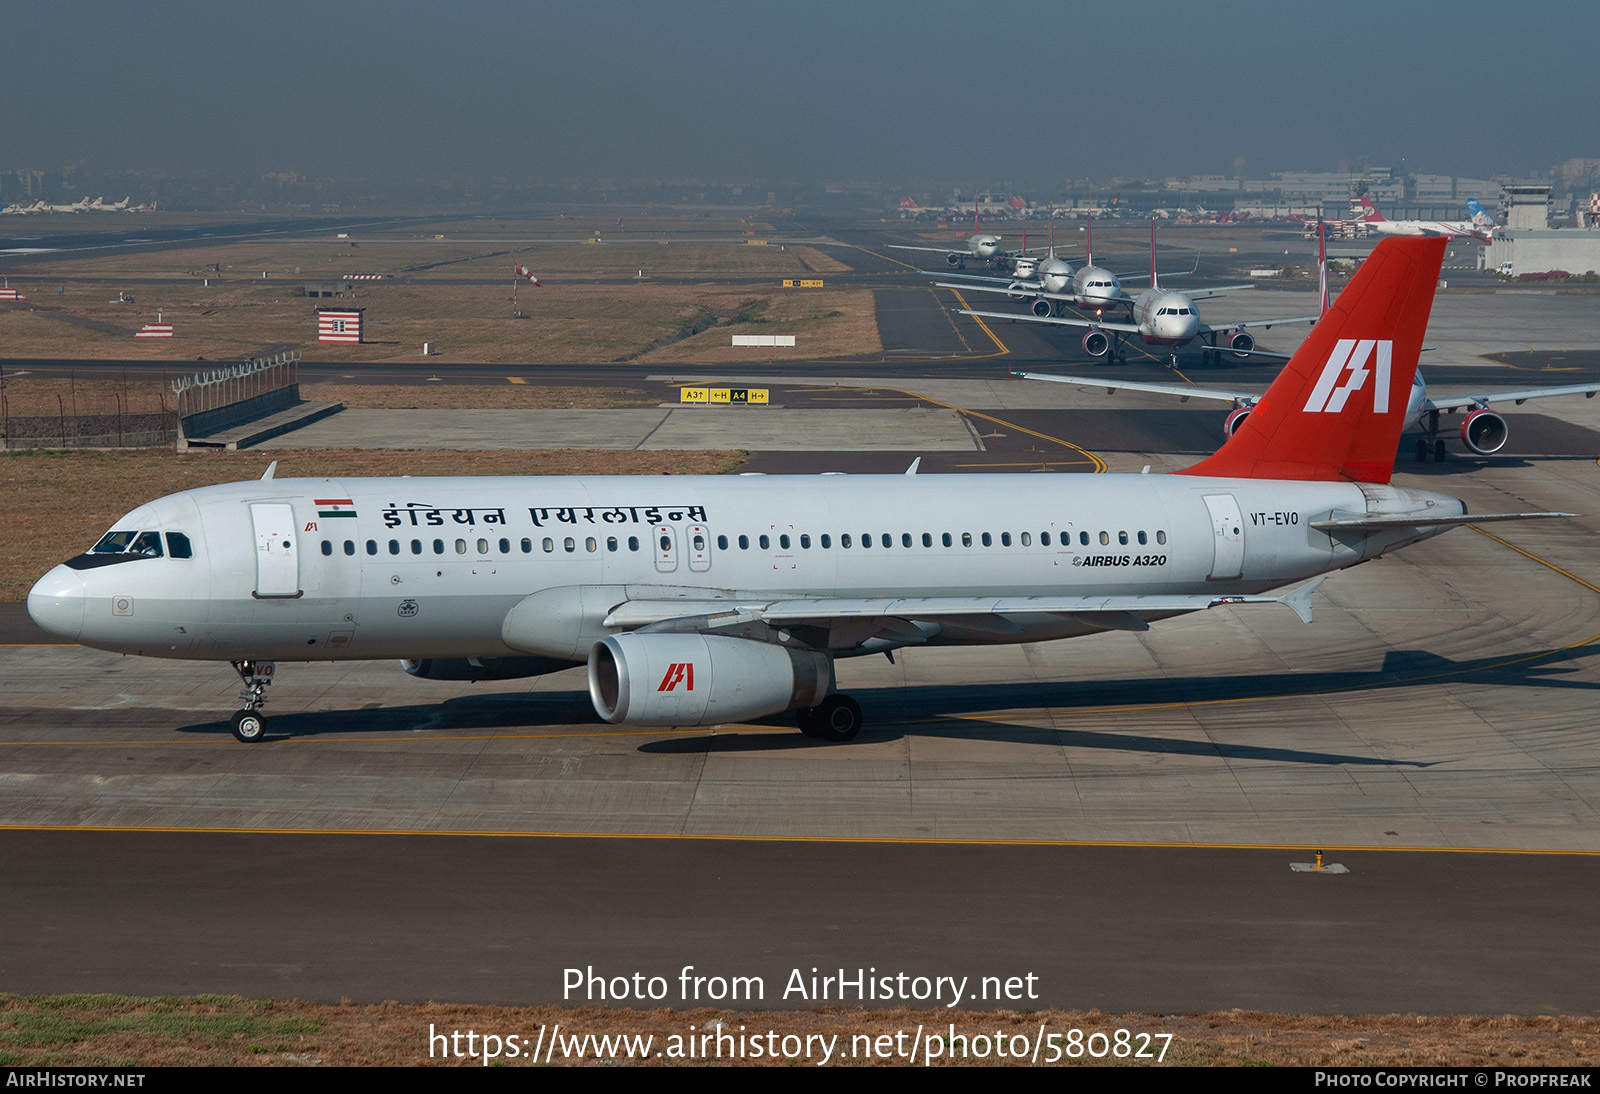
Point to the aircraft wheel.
(1438, 451)
(1422, 450)
(836, 718)
(249, 726)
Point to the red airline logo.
(679, 672)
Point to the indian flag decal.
(335, 507)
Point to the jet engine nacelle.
(1096, 343)
(1241, 343)
(955, 259)
(1235, 419)
(1043, 308)
(698, 679)
(1018, 291)
(483, 668)
(1484, 431)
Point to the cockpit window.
(178, 545)
(148, 545)
(114, 543)
(119, 546)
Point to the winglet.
(271, 467)
(1300, 599)
(916, 463)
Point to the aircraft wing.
(1058, 321)
(1224, 328)
(963, 249)
(969, 279)
(1106, 612)
(1201, 294)
(1515, 395)
(1184, 392)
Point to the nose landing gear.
(248, 724)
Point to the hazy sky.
(892, 91)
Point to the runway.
(1118, 815)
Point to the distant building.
(1525, 206)
(339, 324)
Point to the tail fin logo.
(679, 672)
(1349, 360)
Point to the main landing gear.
(1432, 440)
(248, 724)
(837, 718)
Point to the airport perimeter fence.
(216, 400)
(78, 413)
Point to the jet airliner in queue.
(704, 600)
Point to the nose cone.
(56, 603)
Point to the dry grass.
(825, 323)
(470, 323)
(122, 1031)
(57, 504)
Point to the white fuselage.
(1166, 318)
(983, 245)
(320, 569)
(1426, 228)
(1097, 289)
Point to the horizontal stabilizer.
(1383, 524)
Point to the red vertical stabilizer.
(1337, 409)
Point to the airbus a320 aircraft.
(980, 245)
(1479, 227)
(697, 601)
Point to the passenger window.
(571, 545)
(483, 547)
(611, 544)
(966, 539)
(1083, 538)
(1105, 538)
(927, 539)
(633, 543)
(461, 546)
(394, 546)
(1143, 539)
(372, 546)
(722, 543)
(905, 539)
(744, 543)
(591, 545)
(1161, 537)
(988, 540)
(886, 539)
(1005, 539)
(866, 540)
(946, 539)
(527, 546)
(178, 546)
(1122, 538)
(765, 542)
(783, 542)
(1044, 539)
(350, 547)
(844, 540)
(826, 541)
(438, 546)
(666, 545)
(1027, 539)
(549, 545)
(805, 542)
(505, 546)
(416, 546)
(327, 547)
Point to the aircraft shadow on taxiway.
(927, 710)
